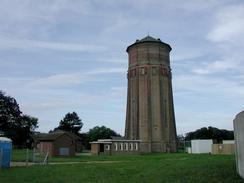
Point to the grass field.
(166, 168)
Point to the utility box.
(201, 146)
(5, 152)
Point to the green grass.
(171, 168)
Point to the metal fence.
(29, 156)
(183, 145)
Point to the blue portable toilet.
(5, 152)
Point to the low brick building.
(59, 143)
(115, 146)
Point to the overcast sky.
(59, 56)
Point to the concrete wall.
(239, 142)
(201, 146)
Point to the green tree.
(98, 133)
(13, 123)
(9, 112)
(71, 122)
(210, 133)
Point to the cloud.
(229, 25)
(217, 66)
(26, 12)
(107, 71)
(64, 79)
(215, 87)
(28, 45)
(225, 33)
(180, 53)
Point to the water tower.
(150, 109)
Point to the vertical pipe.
(1, 157)
(27, 157)
(34, 156)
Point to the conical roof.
(149, 39)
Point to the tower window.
(133, 73)
(164, 72)
(142, 71)
(154, 70)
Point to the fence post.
(27, 157)
(34, 155)
(46, 158)
(1, 157)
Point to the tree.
(98, 133)
(21, 133)
(13, 123)
(210, 133)
(71, 123)
(9, 111)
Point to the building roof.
(117, 138)
(56, 134)
(149, 39)
(38, 135)
(51, 136)
(109, 141)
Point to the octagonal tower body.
(150, 109)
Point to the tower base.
(149, 147)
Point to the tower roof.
(149, 39)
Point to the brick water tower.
(150, 109)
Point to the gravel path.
(20, 164)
